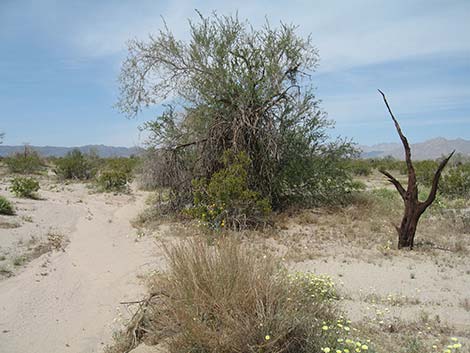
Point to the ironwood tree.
(414, 208)
(234, 87)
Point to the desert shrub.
(74, 165)
(24, 187)
(121, 164)
(360, 167)
(242, 89)
(229, 299)
(6, 207)
(226, 199)
(388, 163)
(115, 173)
(112, 180)
(456, 182)
(26, 162)
(425, 171)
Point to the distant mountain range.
(430, 149)
(53, 151)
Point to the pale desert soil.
(68, 300)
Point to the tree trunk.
(413, 207)
(407, 230)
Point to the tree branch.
(395, 182)
(173, 148)
(403, 138)
(435, 183)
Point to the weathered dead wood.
(413, 207)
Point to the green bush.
(121, 164)
(226, 199)
(456, 182)
(229, 299)
(243, 89)
(26, 162)
(6, 207)
(24, 187)
(112, 180)
(360, 167)
(425, 171)
(116, 173)
(75, 165)
(388, 163)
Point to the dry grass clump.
(226, 299)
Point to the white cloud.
(412, 106)
(353, 35)
(348, 33)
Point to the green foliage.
(24, 187)
(115, 173)
(75, 165)
(384, 201)
(456, 182)
(121, 164)
(425, 171)
(388, 163)
(27, 162)
(226, 199)
(112, 180)
(385, 194)
(242, 89)
(360, 167)
(6, 207)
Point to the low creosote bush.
(122, 164)
(75, 165)
(226, 199)
(227, 298)
(26, 162)
(361, 167)
(6, 207)
(112, 180)
(456, 182)
(24, 187)
(116, 173)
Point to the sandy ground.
(69, 300)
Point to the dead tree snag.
(413, 207)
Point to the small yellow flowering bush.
(453, 346)
(226, 201)
(24, 187)
(319, 287)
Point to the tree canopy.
(234, 87)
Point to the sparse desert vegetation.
(6, 207)
(244, 225)
(24, 187)
(297, 255)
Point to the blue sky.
(59, 62)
